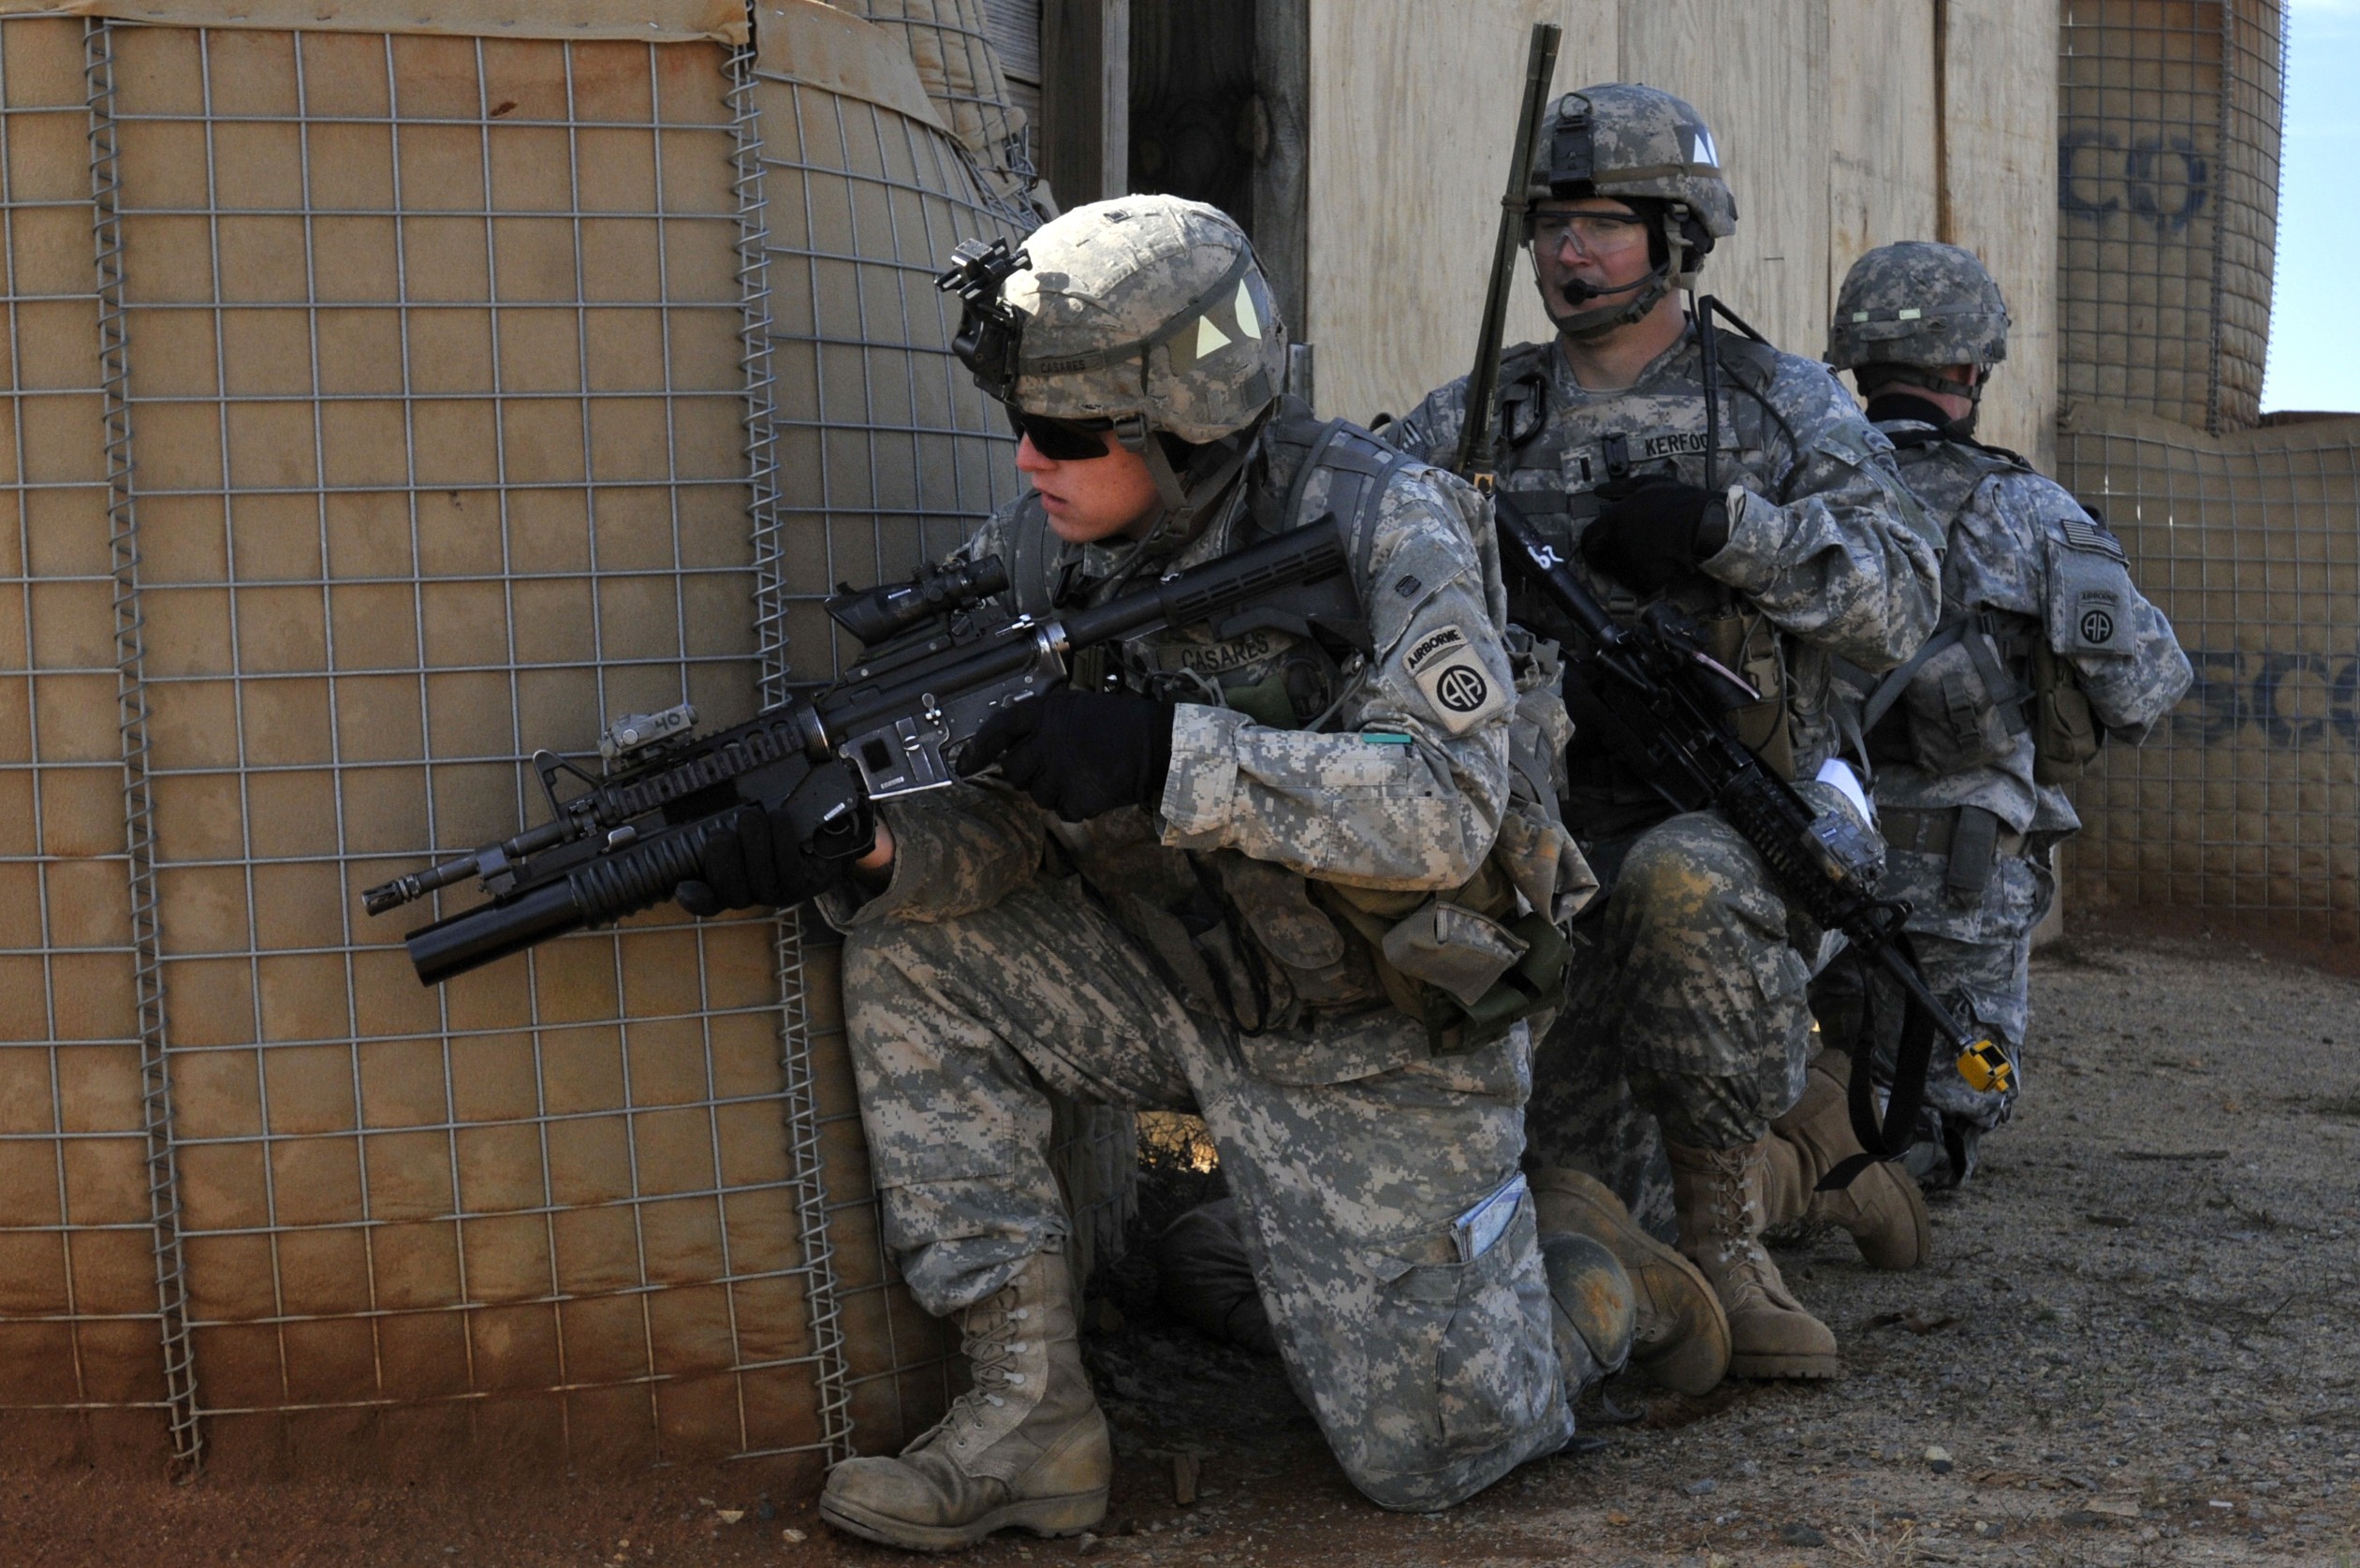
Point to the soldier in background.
(1672, 461)
(1273, 876)
(2044, 651)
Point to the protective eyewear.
(1592, 233)
(1061, 440)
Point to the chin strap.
(1913, 376)
(1188, 497)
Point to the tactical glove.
(1079, 753)
(1654, 530)
(784, 853)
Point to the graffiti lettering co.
(2160, 180)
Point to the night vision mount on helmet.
(1643, 146)
(1148, 312)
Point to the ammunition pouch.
(1746, 643)
(1471, 963)
(2065, 733)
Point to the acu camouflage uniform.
(2045, 650)
(1968, 811)
(1198, 957)
(1698, 1001)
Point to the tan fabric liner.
(657, 21)
(822, 47)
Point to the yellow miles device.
(1986, 1068)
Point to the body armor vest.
(1553, 484)
(1985, 676)
(1258, 942)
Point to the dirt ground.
(2135, 1346)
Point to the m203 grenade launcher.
(942, 654)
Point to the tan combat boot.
(1718, 1194)
(1883, 1208)
(1025, 1446)
(1681, 1336)
(1592, 1310)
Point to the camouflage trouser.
(1420, 1344)
(1976, 957)
(1688, 1014)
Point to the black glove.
(1653, 531)
(782, 855)
(1079, 753)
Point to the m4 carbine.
(945, 657)
(1661, 702)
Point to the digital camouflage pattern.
(1625, 140)
(2023, 551)
(1106, 959)
(1918, 303)
(1826, 543)
(2021, 548)
(1692, 1011)
(1147, 305)
(1976, 958)
(1402, 790)
(1352, 1162)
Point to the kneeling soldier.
(1667, 463)
(1246, 870)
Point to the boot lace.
(1734, 1232)
(993, 1339)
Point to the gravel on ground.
(2135, 1346)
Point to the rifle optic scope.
(874, 614)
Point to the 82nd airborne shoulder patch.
(1459, 691)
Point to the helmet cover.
(1921, 304)
(1143, 310)
(1620, 139)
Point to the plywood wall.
(2001, 142)
(1412, 110)
(1825, 114)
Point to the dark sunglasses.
(1061, 440)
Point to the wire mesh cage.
(899, 456)
(387, 406)
(2167, 178)
(2247, 800)
(85, 1325)
(436, 405)
(2244, 801)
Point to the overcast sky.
(2315, 315)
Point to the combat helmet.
(1146, 313)
(1644, 146)
(1908, 309)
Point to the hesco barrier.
(2247, 800)
(384, 404)
(2167, 178)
